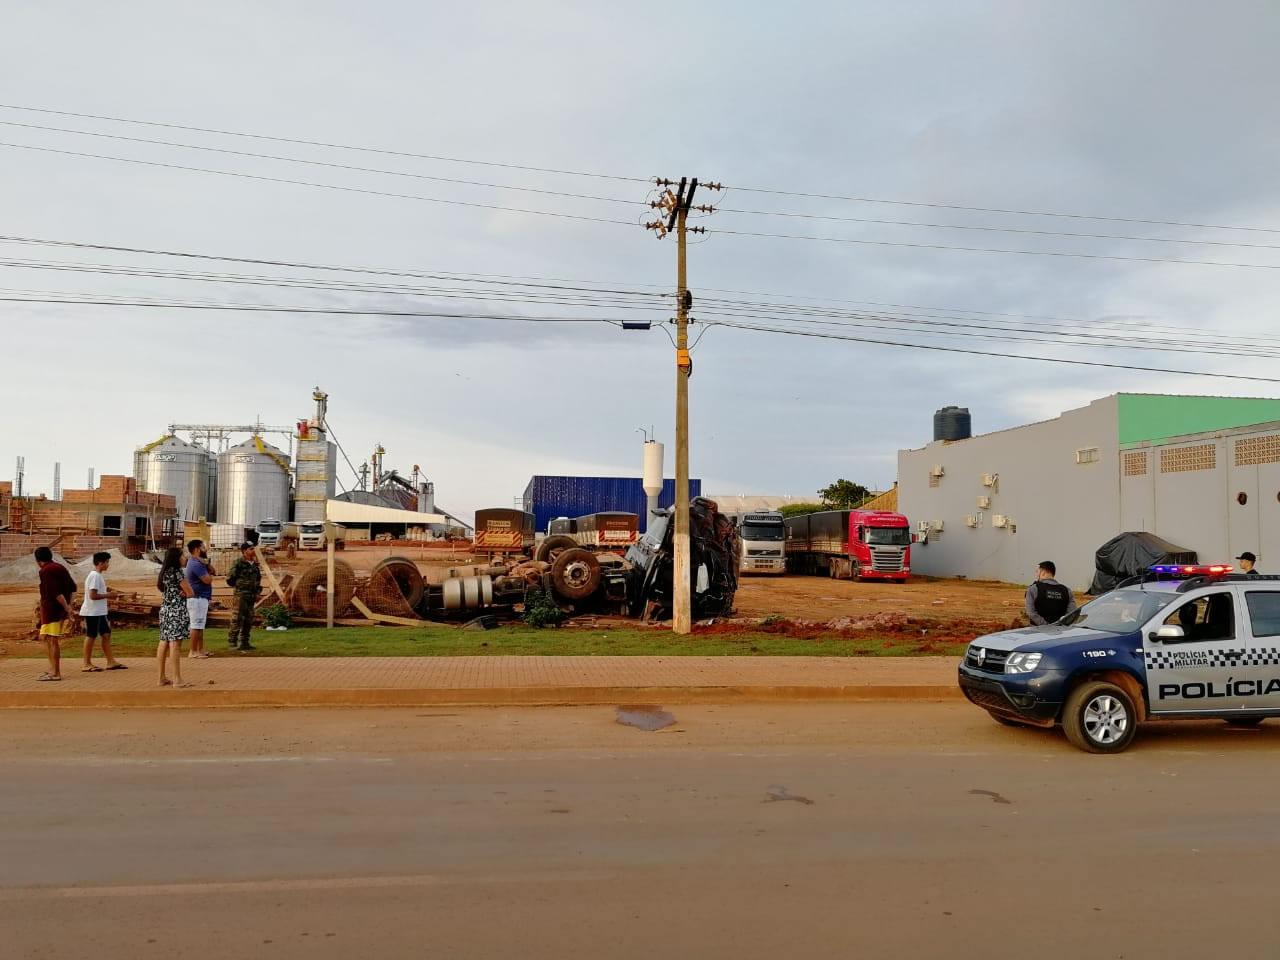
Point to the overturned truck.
(576, 579)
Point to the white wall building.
(994, 505)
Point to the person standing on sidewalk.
(199, 573)
(94, 613)
(174, 622)
(1047, 600)
(246, 579)
(56, 590)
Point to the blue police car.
(1177, 642)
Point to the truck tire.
(1099, 717)
(551, 547)
(576, 574)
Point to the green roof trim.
(1147, 416)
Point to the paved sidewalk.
(410, 681)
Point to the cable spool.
(395, 586)
(308, 591)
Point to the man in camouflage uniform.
(246, 579)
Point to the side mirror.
(1169, 632)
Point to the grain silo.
(253, 483)
(180, 469)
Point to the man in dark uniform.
(1247, 561)
(246, 579)
(1048, 601)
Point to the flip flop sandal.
(48, 676)
(90, 669)
(166, 683)
(184, 684)
(117, 666)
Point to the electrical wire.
(1028, 253)
(322, 163)
(321, 143)
(986, 353)
(312, 183)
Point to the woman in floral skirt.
(174, 624)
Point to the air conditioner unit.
(936, 470)
(989, 479)
(924, 526)
(999, 520)
(937, 526)
(971, 520)
(984, 503)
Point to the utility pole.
(678, 205)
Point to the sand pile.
(25, 570)
(122, 568)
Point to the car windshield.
(887, 536)
(1120, 611)
(763, 531)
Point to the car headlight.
(1022, 662)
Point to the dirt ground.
(945, 603)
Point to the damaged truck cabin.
(713, 564)
(850, 545)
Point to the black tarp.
(1131, 554)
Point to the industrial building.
(548, 497)
(1201, 472)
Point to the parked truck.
(276, 533)
(503, 530)
(762, 539)
(850, 545)
(311, 535)
(607, 530)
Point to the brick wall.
(14, 546)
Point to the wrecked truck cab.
(712, 567)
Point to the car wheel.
(551, 547)
(1100, 718)
(1247, 722)
(576, 574)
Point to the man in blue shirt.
(199, 573)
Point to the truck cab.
(1178, 642)
(311, 535)
(274, 533)
(762, 541)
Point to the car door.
(1191, 673)
(1263, 608)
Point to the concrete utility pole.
(678, 206)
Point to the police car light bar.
(1193, 570)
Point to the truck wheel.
(1246, 722)
(576, 574)
(1099, 717)
(551, 547)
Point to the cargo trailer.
(503, 530)
(850, 545)
(607, 530)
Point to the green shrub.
(276, 615)
(541, 609)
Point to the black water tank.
(952, 423)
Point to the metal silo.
(253, 483)
(181, 469)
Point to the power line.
(1006, 210)
(986, 353)
(989, 229)
(322, 163)
(321, 143)
(313, 183)
(1028, 253)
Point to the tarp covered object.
(1130, 554)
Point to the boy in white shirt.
(94, 613)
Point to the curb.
(480, 697)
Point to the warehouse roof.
(343, 511)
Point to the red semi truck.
(850, 545)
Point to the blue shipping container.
(550, 497)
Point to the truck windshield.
(312, 528)
(763, 531)
(269, 526)
(1120, 611)
(887, 536)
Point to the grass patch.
(438, 640)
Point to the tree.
(800, 509)
(843, 495)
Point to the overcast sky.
(1153, 111)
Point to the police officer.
(246, 579)
(1247, 561)
(1048, 601)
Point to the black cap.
(246, 546)
(1247, 556)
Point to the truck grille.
(886, 561)
(992, 662)
(763, 553)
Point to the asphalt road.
(772, 832)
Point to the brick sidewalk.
(286, 681)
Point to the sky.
(1147, 111)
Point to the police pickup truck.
(1177, 642)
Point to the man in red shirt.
(56, 590)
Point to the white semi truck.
(276, 533)
(763, 542)
(311, 535)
